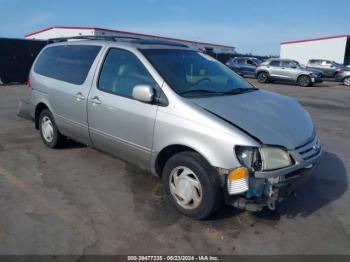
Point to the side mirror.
(293, 66)
(143, 93)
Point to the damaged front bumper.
(267, 192)
(266, 188)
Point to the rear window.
(68, 63)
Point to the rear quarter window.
(68, 63)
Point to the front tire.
(192, 185)
(346, 81)
(263, 77)
(304, 81)
(50, 135)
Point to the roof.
(132, 44)
(125, 32)
(314, 39)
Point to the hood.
(272, 118)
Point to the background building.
(68, 31)
(334, 48)
(17, 56)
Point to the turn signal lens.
(238, 173)
(237, 181)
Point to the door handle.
(79, 96)
(96, 100)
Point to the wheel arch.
(169, 151)
(263, 71)
(38, 109)
(303, 74)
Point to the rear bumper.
(25, 109)
(339, 78)
(317, 79)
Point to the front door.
(290, 70)
(118, 124)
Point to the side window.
(121, 72)
(288, 64)
(326, 63)
(313, 62)
(275, 63)
(250, 62)
(240, 61)
(68, 63)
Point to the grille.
(310, 149)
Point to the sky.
(252, 26)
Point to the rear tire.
(50, 135)
(304, 81)
(192, 185)
(263, 77)
(346, 81)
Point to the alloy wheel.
(347, 81)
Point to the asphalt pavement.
(77, 200)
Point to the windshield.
(295, 64)
(336, 64)
(192, 74)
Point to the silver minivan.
(211, 136)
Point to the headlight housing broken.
(265, 158)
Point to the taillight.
(340, 71)
(29, 83)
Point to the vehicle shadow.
(71, 144)
(325, 83)
(327, 184)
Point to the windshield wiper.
(203, 91)
(235, 91)
(240, 90)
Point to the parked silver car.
(287, 70)
(343, 76)
(327, 67)
(179, 114)
(243, 65)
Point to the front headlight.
(263, 159)
(274, 158)
(249, 157)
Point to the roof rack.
(135, 40)
(92, 37)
